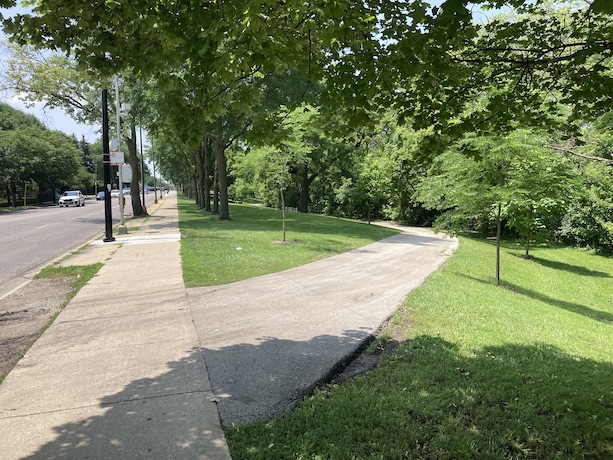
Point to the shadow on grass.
(575, 269)
(257, 219)
(429, 400)
(559, 303)
(572, 307)
(513, 247)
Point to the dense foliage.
(360, 110)
(31, 154)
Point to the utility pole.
(122, 230)
(155, 184)
(106, 162)
(142, 163)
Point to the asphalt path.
(31, 238)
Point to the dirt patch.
(24, 312)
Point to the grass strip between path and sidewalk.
(217, 252)
(522, 370)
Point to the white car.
(114, 193)
(72, 198)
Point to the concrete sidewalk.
(267, 341)
(126, 369)
(119, 374)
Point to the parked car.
(114, 193)
(126, 191)
(100, 195)
(72, 198)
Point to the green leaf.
(602, 6)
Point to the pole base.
(122, 230)
(108, 240)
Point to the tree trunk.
(282, 211)
(215, 190)
(306, 182)
(498, 235)
(527, 252)
(137, 206)
(304, 190)
(14, 193)
(199, 176)
(206, 144)
(222, 173)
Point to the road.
(30, 239)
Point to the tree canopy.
(393, 83)
(29, 152)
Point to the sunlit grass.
(217, 252)
(516, 371)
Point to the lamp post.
(106, 160)
(142, 164)
(122, 230)
(155, 184)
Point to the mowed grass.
(520, 371)
(216, 252)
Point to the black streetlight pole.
(106, 160)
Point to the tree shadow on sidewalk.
(154, 418)
(172, 416)
(522, 400)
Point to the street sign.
(126, 173)
(117, 158)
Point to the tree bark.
(215, 209)
(222, 173)
(304, 190)
(199, 176)
(137, 206)
(206, 144)
(306, 182)
(527, 248)
(282, 211)
(498, 235)
(14, 193)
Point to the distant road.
(32, 238)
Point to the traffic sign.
(117, 158)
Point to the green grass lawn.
(215, 252)
(519, 371)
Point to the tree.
(527, 66)
(271, 166)
(511, 178)
(31, 153)
(54, 79)
(589, 222)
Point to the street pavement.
(136, 366)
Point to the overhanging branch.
(581, 155)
